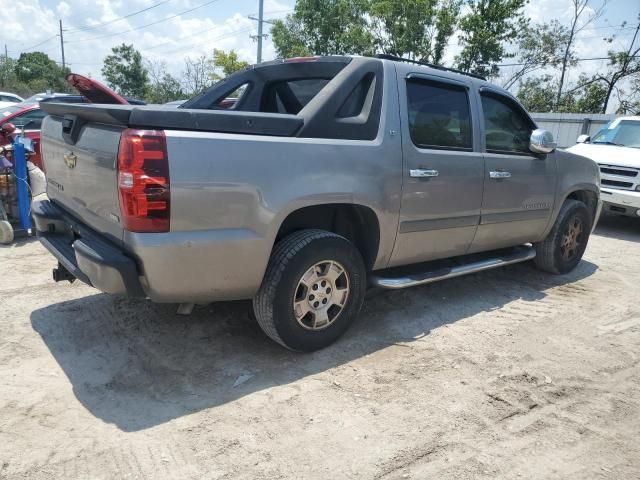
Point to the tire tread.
(546, 249)
(284, 251)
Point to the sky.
(163, 32)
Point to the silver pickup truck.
(300, 183)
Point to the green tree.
(578, 23)
(590, 98)
(537, 94)
(163, 87)
(487, 29)
(39, 72)
(197, 75)
(539, 46)
(8, 79)
(622, 64)
(224, 64)
(324, 27)
(124, 71)
(629, 101)
(593, 94)
(418, 29)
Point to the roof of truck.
(434, 66)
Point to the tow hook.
(61, 273)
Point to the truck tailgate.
(82, 177)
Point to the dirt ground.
(506, 374)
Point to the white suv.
(616, 149)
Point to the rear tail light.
(143, 181)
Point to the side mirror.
(583, 139)
(8, 128)
(541, 141)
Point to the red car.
(20, 115)
(29, 114)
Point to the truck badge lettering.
(55, 184)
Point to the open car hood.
(93, 90)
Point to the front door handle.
(421, 173)
(499, 174)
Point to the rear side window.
(439, 115)
(291, 96)
(507, 128)
(356, 100)
(231, 100)
(31, 119)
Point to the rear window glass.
(291, 96)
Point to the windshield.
(5, 112)
(625, 133)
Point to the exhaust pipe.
(61, 273)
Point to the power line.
(93, 27)
(181, 48)
(577, 60)
(147, 25)
(170, 42)
(230, 34)
(38, 44)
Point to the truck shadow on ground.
(136, 364)
(619, 227)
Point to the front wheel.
(563, 248)
(312, 291)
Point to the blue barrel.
(22, 184)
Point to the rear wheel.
(312, 291)
(563, 248)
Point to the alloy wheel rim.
(321, 295)
(571, 238)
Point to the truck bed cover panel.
(252, 123)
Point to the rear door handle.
(499, 174)
(421, 173)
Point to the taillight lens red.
(143, 181)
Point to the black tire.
(552, 254)
(293, 257)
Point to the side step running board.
(519, 254)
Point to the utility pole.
(6, 53)
(260, 22)
(62, 45)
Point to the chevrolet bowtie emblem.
(70, 159)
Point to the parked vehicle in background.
(616, 149)
(21, 115)
(7, 99)
(38, 97)
(29, 114)
(326, 175)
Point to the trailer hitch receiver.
(61, 273)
